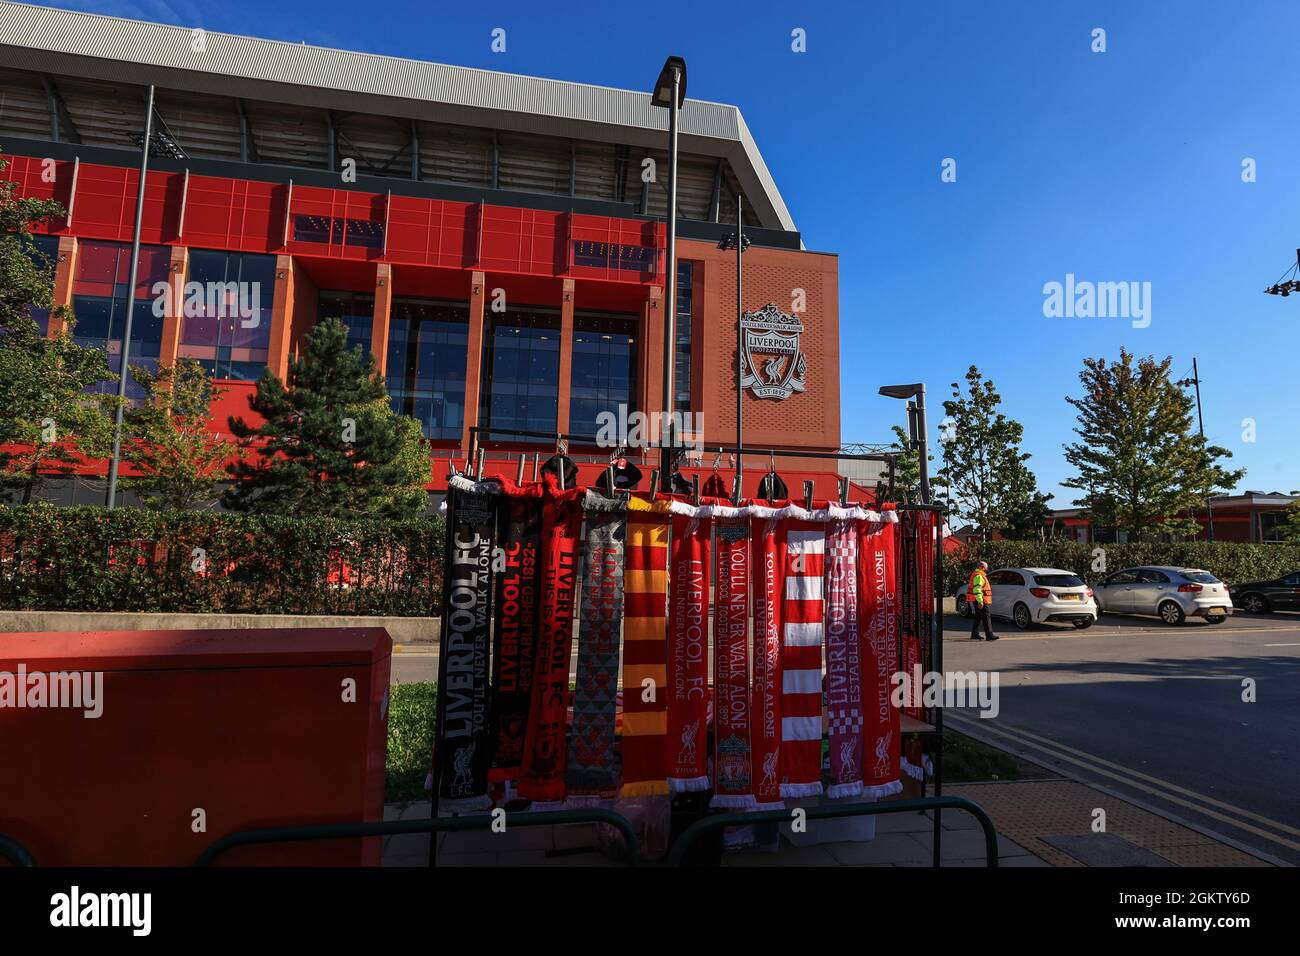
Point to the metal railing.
(15, 852)
(331, 831)
(700, 827)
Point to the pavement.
(1160, 717)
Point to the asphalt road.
(1156, 715)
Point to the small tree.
(47, 419)
(171, 446)
(1289, 529)
(1141, 466)
(984, 471)
(330, 443)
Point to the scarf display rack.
(597, 559)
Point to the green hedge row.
(1232, 563)
(91, 559)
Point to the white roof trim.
(135, 51)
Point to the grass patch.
(966, 760)
(410, 740)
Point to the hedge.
(1233, 563)
(92, 559)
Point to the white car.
(1027, 596)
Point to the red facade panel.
(524, 241)
(432, 232)
(234, 214)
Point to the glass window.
(682, 366)
(1121, 577)
(44, 252)
(1152, 577)
(99, 293)
(226, 320)
(427, 345)
(1058, 580)
(1200, 577)
(604, 368)
(521, 372)
(355, 309)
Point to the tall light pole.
(115, 461)
(1200, 422)
(670, 93)
(917, 427)
(740, 242)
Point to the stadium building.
(490, 238)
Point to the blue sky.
(1117, 166)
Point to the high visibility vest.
(978, 590)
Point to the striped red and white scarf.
(803, 572)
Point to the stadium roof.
(49, 40)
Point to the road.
(1156, 715)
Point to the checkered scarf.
(593, 766)
(843, 659)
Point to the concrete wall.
(403, 630)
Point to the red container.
(255, 728)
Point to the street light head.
(662, 95)
(902, 391)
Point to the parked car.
(1264, 597)
(1027, 596)
(1171, 594)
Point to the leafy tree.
(984, 472)
(1289, 530)
(329, 444)
(170, 444)
(1140, 463)
(907, 470)
(47, 419)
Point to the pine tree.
(330, 444)
(1140, 463)
(984, 475)
(48, 421)
(169, 441)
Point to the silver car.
(1171, 594)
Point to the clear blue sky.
(1115, 166)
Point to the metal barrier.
(330, 831)
(15, 852)
(700, 827)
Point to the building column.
(64, 270)
(177, 270)
(282, 309)
(383, 312)
(474, 354)
(652, 350)
(565, 375)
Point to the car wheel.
(1171, 613)
(1082, 624)
(963, 606)
(1216, 619)
(1020, 616)
(1255, 604)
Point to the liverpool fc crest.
(771, 365)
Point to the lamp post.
(670, 93)
(740, 242)
(916, 425)
(115, 461)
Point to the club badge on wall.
(771, 365)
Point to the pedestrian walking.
(979, 595)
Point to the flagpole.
(115, 461)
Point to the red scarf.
(909, 561)
(803, 572)
(844, 706)
(688, 651)
(765, 732)
(542, 777)
(878, 630)
(733, 787)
